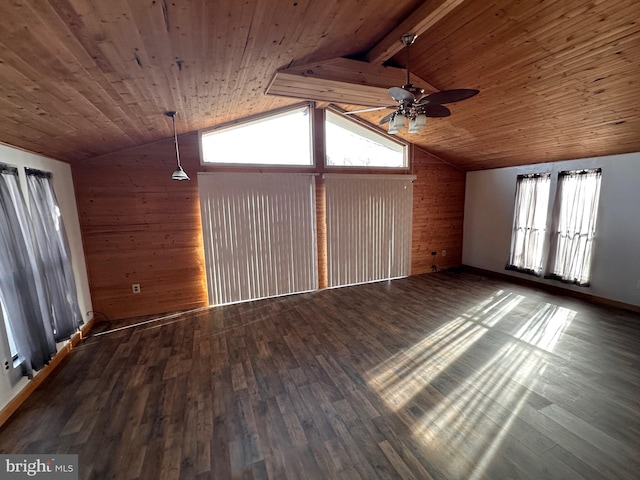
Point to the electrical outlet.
(638, 284)
(444, 253)
(135, 288)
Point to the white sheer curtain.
(21, 287)
(574, 225)
(55, 260)
(529, 223)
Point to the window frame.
(310, 106)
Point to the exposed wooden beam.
(422, 19)
(341, 80)
(312, 88)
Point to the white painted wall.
(615, 271)
(11, 380)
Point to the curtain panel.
(529, 223)
(54, 257)
(22, 291)
(574, 225)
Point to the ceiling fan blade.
(400, 94)
(373, 109)
(449, 96)
(386, 118)
(434, 110)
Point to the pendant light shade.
(179, 173)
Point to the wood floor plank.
(578, 468)
(399, 466)
(617, 452)
(444, 376)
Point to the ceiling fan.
(414, 105)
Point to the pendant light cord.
(175, 139)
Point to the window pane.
(280, 139)
(351, 145)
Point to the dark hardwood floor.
(443, 376)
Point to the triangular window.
(350, 144)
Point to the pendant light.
(179, 173)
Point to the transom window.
(349, 144)
(282, 138)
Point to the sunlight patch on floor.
(460, 401)
(406, 373)
(546, 326)
(476, 416)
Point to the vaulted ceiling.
(558, 79)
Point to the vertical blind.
(259, 235)
(368, 227)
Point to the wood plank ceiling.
(558, 79)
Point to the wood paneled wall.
(321, 230)
(438, 213)
(139, 226)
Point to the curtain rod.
(581, 171)
(37, 173)
(4, 168)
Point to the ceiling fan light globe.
(393, 130)
(397, 122)
(417, 123)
